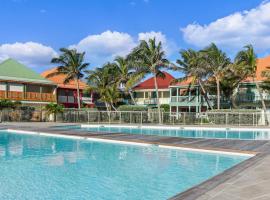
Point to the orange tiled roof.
(184, 82)
(59, 80)
(262, 64)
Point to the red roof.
(163, 83)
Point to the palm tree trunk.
(107, 107)
(263, 103)
(157, 97)
(78, 93)
(218, 93)
(205, 95)
(131, 96)
(113, 107)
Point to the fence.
(136, 117)
(185, 118)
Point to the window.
(174, 92)
(166, 94)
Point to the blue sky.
(32, 31)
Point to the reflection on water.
(57, 168)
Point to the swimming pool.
(39, 167)
(188, 132)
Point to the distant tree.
(126, 75)
(248, 60)
(72, 65)
(103, 82)
(150, 59)
(193, 67)
(217, 63)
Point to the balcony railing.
(28, 96)
(181, 99)
(249, 98)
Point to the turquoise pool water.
(39, 167)
(219, 134)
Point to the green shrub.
(7, 104)
(132, 108)
(165, 107)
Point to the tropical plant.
(217, 63)
(72, 65)
(102, 81)
(126, 74)
(193, 67)
(9, 104)
(149, 58)
(248, 60)
(54, 109)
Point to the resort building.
(67, 93)
(184, 98)
(20, 83)
(145, 94)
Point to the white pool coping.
(128, 143)
(165, 127)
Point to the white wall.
(14, 87)
(3, 87)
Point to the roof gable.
(163, 83)
(13, 70)
(59, 80)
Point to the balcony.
(72, 99)
(181, 99)
(28, 96)
(150, 101)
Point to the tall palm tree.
(126, 74)
(248, 59)
(102, 81)
(150, 59)
(217, 62)
(72, 65)
(192, 65)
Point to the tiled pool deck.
(248, 180)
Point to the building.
(20, 83)
(186, 99)
(67, 93)
(144, 93)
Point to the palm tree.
(54, 109)
(192, 65)
(150, 59)
(248, 59)
(217, 62)
(127, 75)
(71, 64)
(102, 81)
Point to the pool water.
(40, 167)
(186, 133)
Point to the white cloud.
(30, 53)
(106, 46)
(234, 31)
(168, 46)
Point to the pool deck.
(247, 180)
